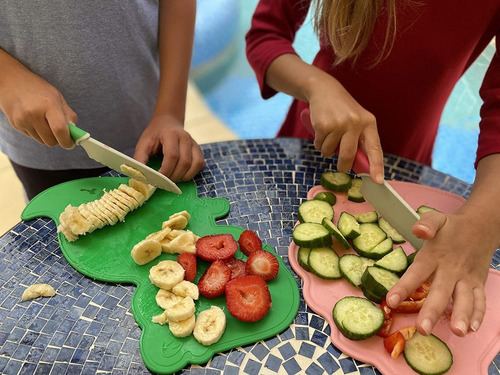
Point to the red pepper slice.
(386, 328)
(386, 309)
(409, 307)
(394, 344)
(408, 331)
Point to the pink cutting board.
(471, 354)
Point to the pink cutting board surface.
(471, 354)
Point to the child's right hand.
(33, 106)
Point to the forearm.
(10, 68)
(175, 43)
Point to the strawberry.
(249, 242)
(248, 298)
(262, 263)
(237, 267)
(188, 262)
(216, 246)
(213, 281)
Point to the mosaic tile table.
(93, 330)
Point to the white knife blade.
(114, 159)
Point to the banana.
(166, 274)
(104, 213)
(114, 209)
(160, 318)
(181, 310)
(95, 222)
(160, 235)
(210, 325)
(127, 199)
(38, 290)
(165, 298)
(183, 328)
(145, 189)
(132, 172)
(70, 236)
(184, 243)
(73, 219)
(145, 251)
(186, 289)
(132, 193)
(116, 202)
(175, 222)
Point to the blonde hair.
(349, 24)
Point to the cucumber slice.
(370, 236)
(391, 232)
(396, 261)
(377, 282)
(354, 192)
(311, 235)
(357, 318)
(411, 257)
(327, 197)
(424, 208)
(352, 267)
(379, 251)
(313, 211)
(302, 258)
(367, 217)
(348, 225)
(336, 181)
(324, 263)
(427, 355)
(333, 230)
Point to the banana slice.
(70, 236)
(105, 214)
(145, 189)
(126, 199)
(116, 202)
(160, 235)
(165, 298)
(184, 243)
(132, 193)
(181, 310)
(95, 222)
(210, 325)
(132, 172)
(176, 222)
(186, 289)
(183, 328)
(114, 209)
(166, 274)
(73, 219)
(145, 251)
(38, 290)
(161, 319)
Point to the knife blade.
(382, 197)
(114, 159)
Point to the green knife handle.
(77, 134)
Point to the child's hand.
(182, 156)
(458, 264)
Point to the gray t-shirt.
(103, 57)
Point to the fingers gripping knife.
(383, 198)
(114, 159)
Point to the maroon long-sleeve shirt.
(436, 42)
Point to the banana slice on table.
(186, 289)
(145, 189)
(210, 325)
(165, 298)
(145, 251)
(181, 310)
(160, 319)
(183, 328)
(38, 290)
(166, 274)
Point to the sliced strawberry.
(248, 298)
(262, 263)
(188, 262)
(217, 246)
(237, 267)
(249, 242)
(213, 281)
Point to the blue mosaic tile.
(328, 363)
(314, 369)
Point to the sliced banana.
(160, 235)
(145, 189)
(166, 274)
(116, 201)
(165, 298)
(176, 222)
(184, 243)
(113, 208)
(96, 221)
(161, 319)
(183, 328)
(145, 251)
(186, 289)
(132, 172)
(70, 236)
(210, 325)
(132, 193)
(105, 214)
(38, 290)
(73, 219)
(125, 198)
(181, 310)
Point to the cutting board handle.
(77, 134)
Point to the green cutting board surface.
(105, 255)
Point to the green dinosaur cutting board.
(105, 255)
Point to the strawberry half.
(188, 262)
(262, 263)
(237, 267)
(216, 246)
(248, 298)
(249, 242)
(213, 281)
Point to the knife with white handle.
(114, 159)
(383, 198)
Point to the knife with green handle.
(114, 159)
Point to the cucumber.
(411, 257)
(333, 230)
(354, 192)
(357, 318)
(396, 261)
(302, 258)
(367, 217)
(391, 232)
(313, 211)
(336, 181)
(327, 197)
(377, 282)
(311, 235)
(352, 267)
(324, 263)
(427, 355)
(348, 225)
(424, 208)
(370, 236)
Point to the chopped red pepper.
(386, 309)
(386, 328)
(394, 344)
(408, 331)
(409, 307)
